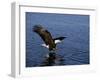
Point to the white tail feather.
(44, 45)
(47, 46)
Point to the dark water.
(74, 50)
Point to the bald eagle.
(50, 42)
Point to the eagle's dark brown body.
(46, 36)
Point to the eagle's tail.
(58, 39)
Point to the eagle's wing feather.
(59, 38)
(45, 35)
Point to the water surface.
(74, 50)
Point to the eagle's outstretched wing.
(45, 35)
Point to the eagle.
(46, 36)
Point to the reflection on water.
(58, 57)
(52, 59)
